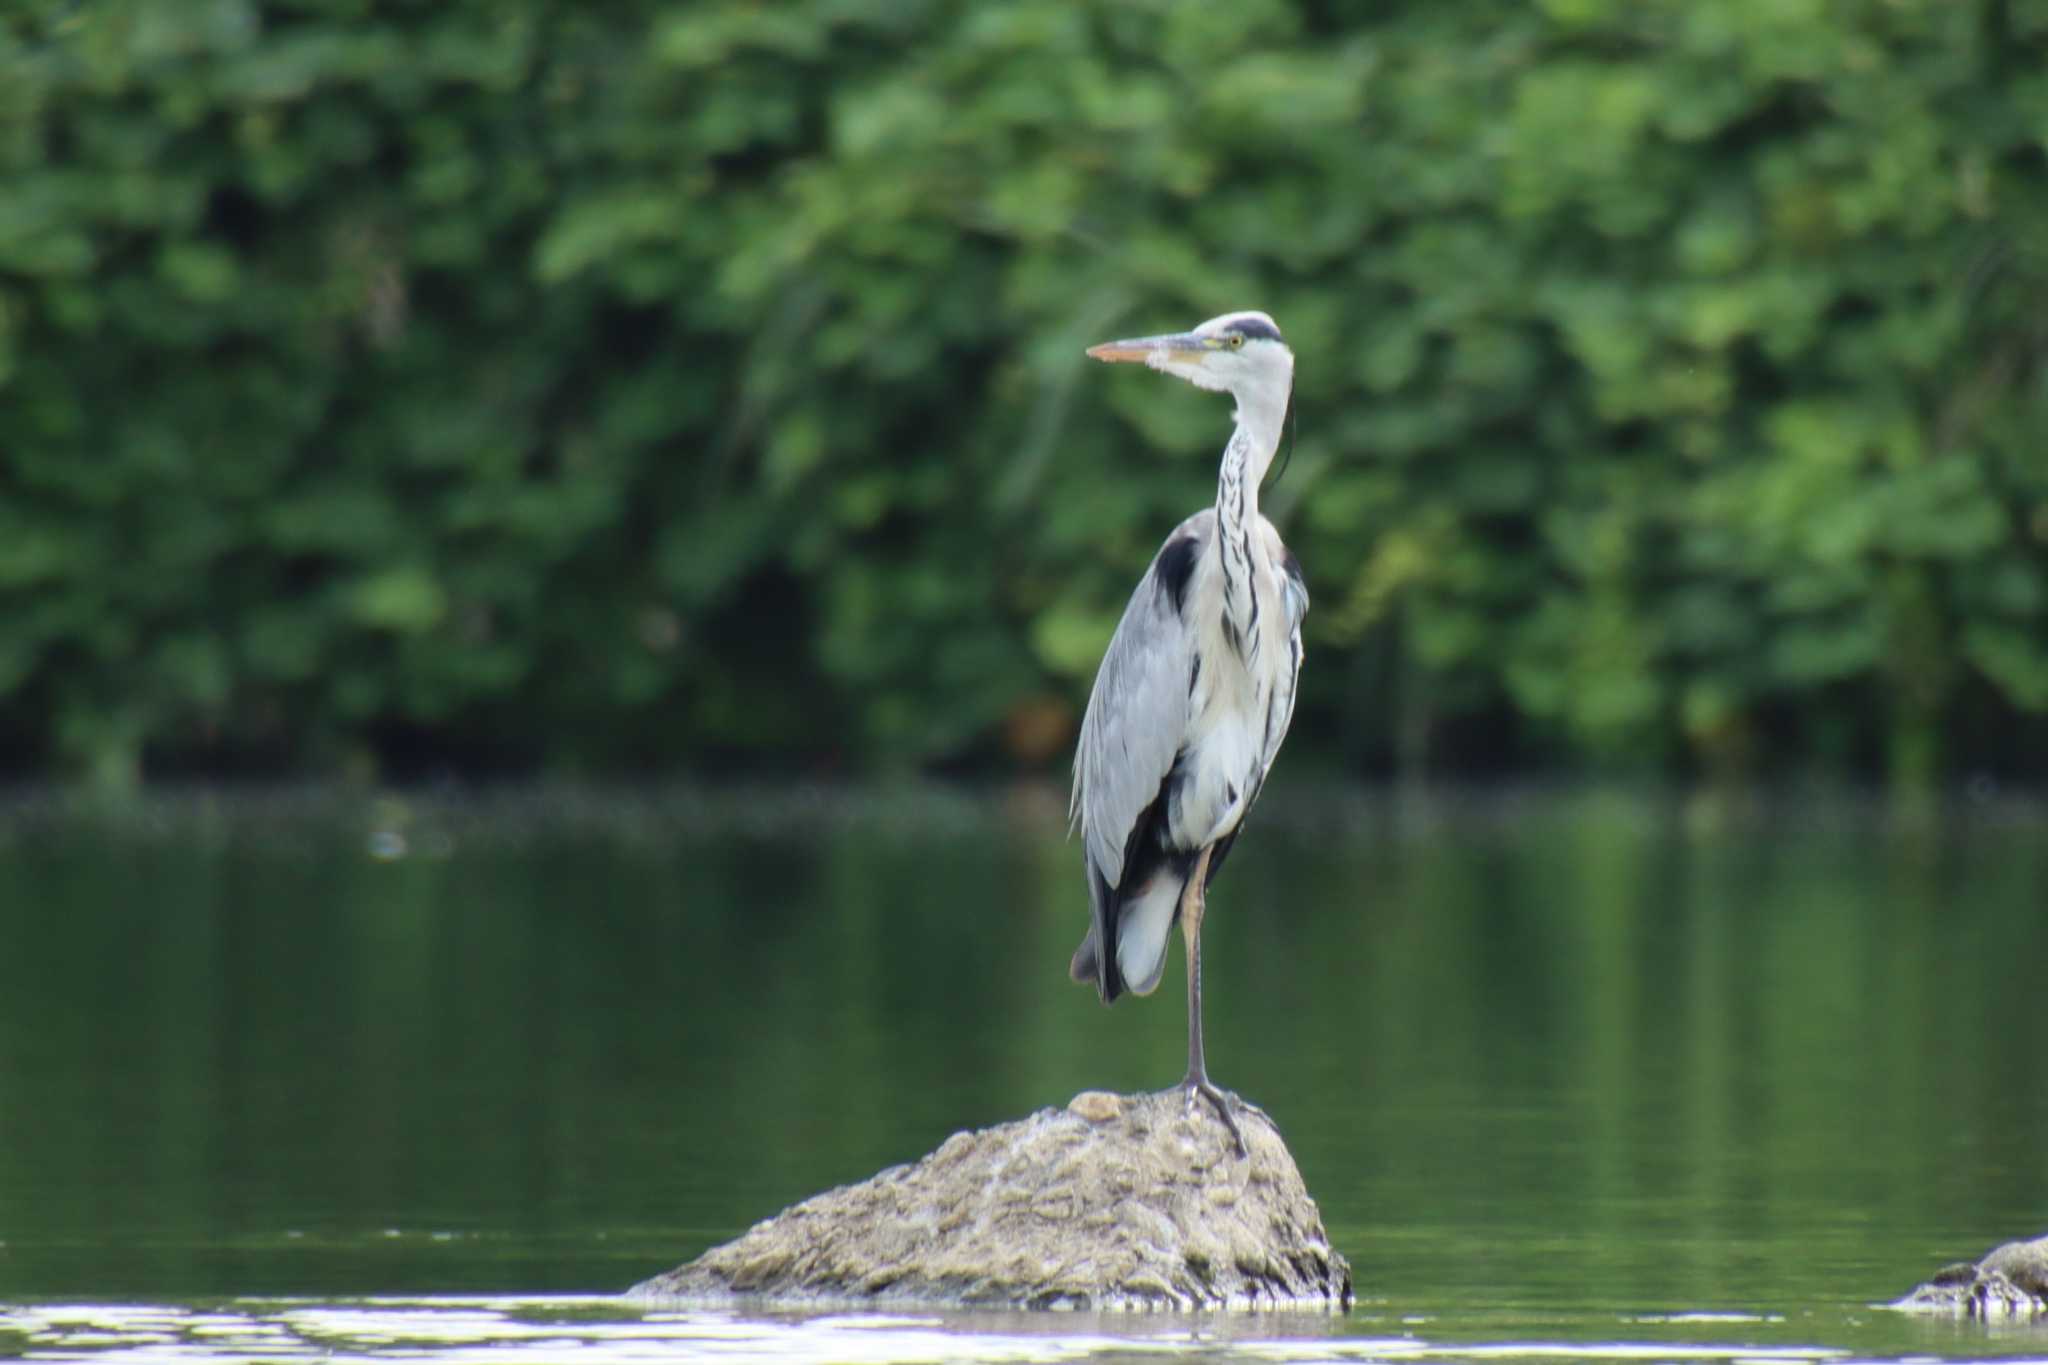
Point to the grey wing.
(1294, 596)
(1138, 713)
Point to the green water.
(1571, 1073)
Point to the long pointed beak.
(1144, 348)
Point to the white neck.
(1249, 454)
(1245, 461)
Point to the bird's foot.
(1198, 1088)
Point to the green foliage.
(533, 385)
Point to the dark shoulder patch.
(1255, 327)
(1175, 566)
(1291, 566)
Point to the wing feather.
(1137, 715)
(1294, 596)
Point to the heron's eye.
(1237, 341)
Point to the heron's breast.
(1222, 753)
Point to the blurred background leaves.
(523, 387)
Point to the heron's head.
(1239, 353)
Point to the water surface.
(1594, 1073)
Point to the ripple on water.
(486, 1331)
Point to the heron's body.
(1230, 723)
(1196, 690)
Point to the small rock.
(1096, 1106)
(2010, 1282)
(1116, 1202)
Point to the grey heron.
(1195, 692)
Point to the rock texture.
(1115, 1202)
(2010, 1282)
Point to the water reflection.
(1577, 1058)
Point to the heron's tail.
(1137, 925)
(1086, 967)
(1090, 967)
(1144, 923)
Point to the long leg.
(1192, 903)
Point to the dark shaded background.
(520, 387)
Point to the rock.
(2010, 1282)
(1096, 1106)
(1116, 1202)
